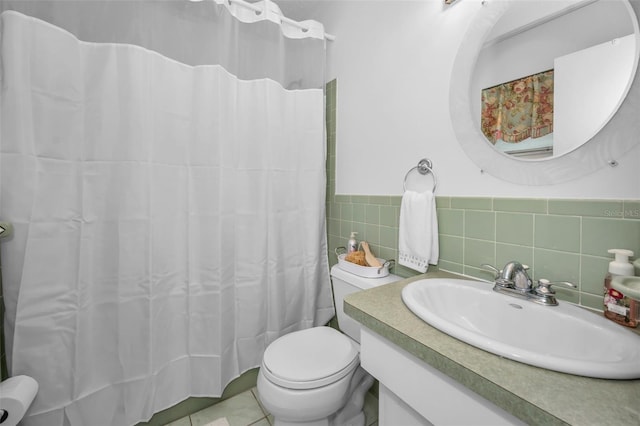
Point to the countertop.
(535, 395)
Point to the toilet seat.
(310, 358)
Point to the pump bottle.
(618, 307)
(352, 244)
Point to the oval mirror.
(523, 50)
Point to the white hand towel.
(418, 231)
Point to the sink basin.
(563, 338)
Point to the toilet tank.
(345, 283)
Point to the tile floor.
(245, 409)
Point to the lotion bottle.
(352, 244)
(618, 307)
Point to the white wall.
(393, 61)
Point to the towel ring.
(424, 167)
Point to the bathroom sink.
(564, 338)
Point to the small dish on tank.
(363, 271)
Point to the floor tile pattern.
(245, 410)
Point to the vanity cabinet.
(414, 393)
(428, 377)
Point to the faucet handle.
(544, 286)
(491, 268)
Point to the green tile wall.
(563, 240)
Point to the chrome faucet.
(514, 274)
(514, 280)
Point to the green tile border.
(596, 208)
(520, 205)
(571, 228)
(472, 203)
(631, 209)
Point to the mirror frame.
(619, 135)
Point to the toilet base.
(350, 414)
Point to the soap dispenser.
(352, 244)
(618, 307)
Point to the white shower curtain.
(169, 221)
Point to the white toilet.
(313, 377)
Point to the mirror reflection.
(551, 75)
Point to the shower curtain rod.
(289, 21)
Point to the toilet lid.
(310, 358)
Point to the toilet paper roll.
(16, 395)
